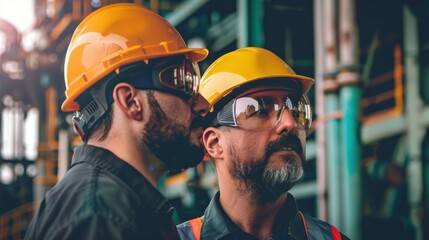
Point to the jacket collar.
(217, 225)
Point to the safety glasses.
(181, 75)
(264, 110)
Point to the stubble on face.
(169, 140)
(259, 178)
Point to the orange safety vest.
(312, 229)
(196, 225)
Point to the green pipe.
(351, 167)
(250, 25)
(334, 163)
(256, 23)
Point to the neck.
(254, 217)
(139, 157)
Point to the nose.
(286, 122)
(199, 105)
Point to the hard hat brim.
(195, 54)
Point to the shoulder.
(86, 196)
(92, 190)
(89, 227)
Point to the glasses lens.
(184, 76)
(261, 112)
(254, 113)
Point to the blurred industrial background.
(367, 168)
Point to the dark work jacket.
(102, 197)
(216, 225)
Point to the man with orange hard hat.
(133, 84)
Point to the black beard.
(264, 183)
(169, 141)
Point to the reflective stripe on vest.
(196, 224)
(335, 233)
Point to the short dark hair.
(102, 127)
(95, 116)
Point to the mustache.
(285, 141)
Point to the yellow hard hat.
(114, 36)
(243, 66)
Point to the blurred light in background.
(35, 39)
(7, 175)
(31, 133)
(18, 12)
(12, 129)
(196, 42)
(2, 42)
(96, 3)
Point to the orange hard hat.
(114, 36)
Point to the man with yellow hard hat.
(255, 135)
(133, 84)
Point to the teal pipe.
(333, 145)
(351, 167)
(256, 29)
(250, 25)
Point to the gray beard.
(262, 181)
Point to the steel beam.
(184, 10)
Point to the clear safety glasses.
(183, 75)
(264, 110)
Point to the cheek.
(179, 111)
(176, 109)
(249, 144)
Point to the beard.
(170, 141)
(264, 182)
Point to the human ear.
(211, 141)
(125, 96)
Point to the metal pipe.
(320, 111)
(242, 24)
(351, 168)
(332, 106)
(18, 125)
(413, 110)
(184, 10)
(256, 21)
(250, 24)
(7, 134)
(348, 77)
(31, 133)
(63, 153)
